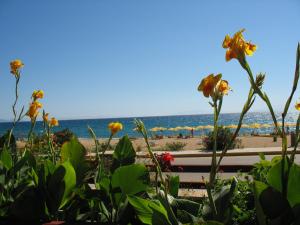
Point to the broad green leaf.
(259, 187)
(61, 185)
(274, 174)
(189, 206)
(28, 207)
(293, 192)
(141, 206)
(273, 203)
(131, 179)
(173, 185)
(160, 215)
(6, 159)
(75, 152)
(124, 153)
(149, 212)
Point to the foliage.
(63, 185)
(223, 138)
(175, 146)
(60, 137)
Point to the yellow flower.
(237, 47)
(53, 122)
(34, 109)
(37, 94)
(297, 106)
(45, 117)
(115, 127)
(208, 84)
(223, 87)
(15, 66)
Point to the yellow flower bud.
(37, 94)
(15, 66)
(45, 117)
(115, 127)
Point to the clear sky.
(112, 58)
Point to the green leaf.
(75, 152)
(274, 174)
(131, 179)
(275, 206)
(293, 192)
(259, 187)
(124, 153)
(61, 185)
(28, 207)
(173, 185)
(187, 205)
(149, 212)
(272, 202)
(6, 159)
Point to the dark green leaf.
(293, 193)
(74, 151)
(6, 159)
(124, 153)
(173, 185)
(274, 174)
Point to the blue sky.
(125, 58)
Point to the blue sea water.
(79, 127)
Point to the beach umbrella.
(245, 126)
(178, 128)
(188, 128)
(255, 125)
(231, 126)
(155, 129)
(199, 127)
(266, 125)
(208, 127)
(290, 124)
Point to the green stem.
(246, 108)
(101, 163)
(262, 95)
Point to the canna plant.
(277, 190)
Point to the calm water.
(79, 127)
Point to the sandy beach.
(195, 143)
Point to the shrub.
(224, 137)
(60, 137)
(175, 146)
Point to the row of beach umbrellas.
(207, 127)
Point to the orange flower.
(222, 87)
(15, 66)
(208, 84)
(33, 109)
(115, 127)
(53, 122)
(37, 94)
(237, 47)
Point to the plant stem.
(262, 95)
(247, 106)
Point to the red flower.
(167, 157)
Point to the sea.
(79, 127)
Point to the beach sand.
(195, 143)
